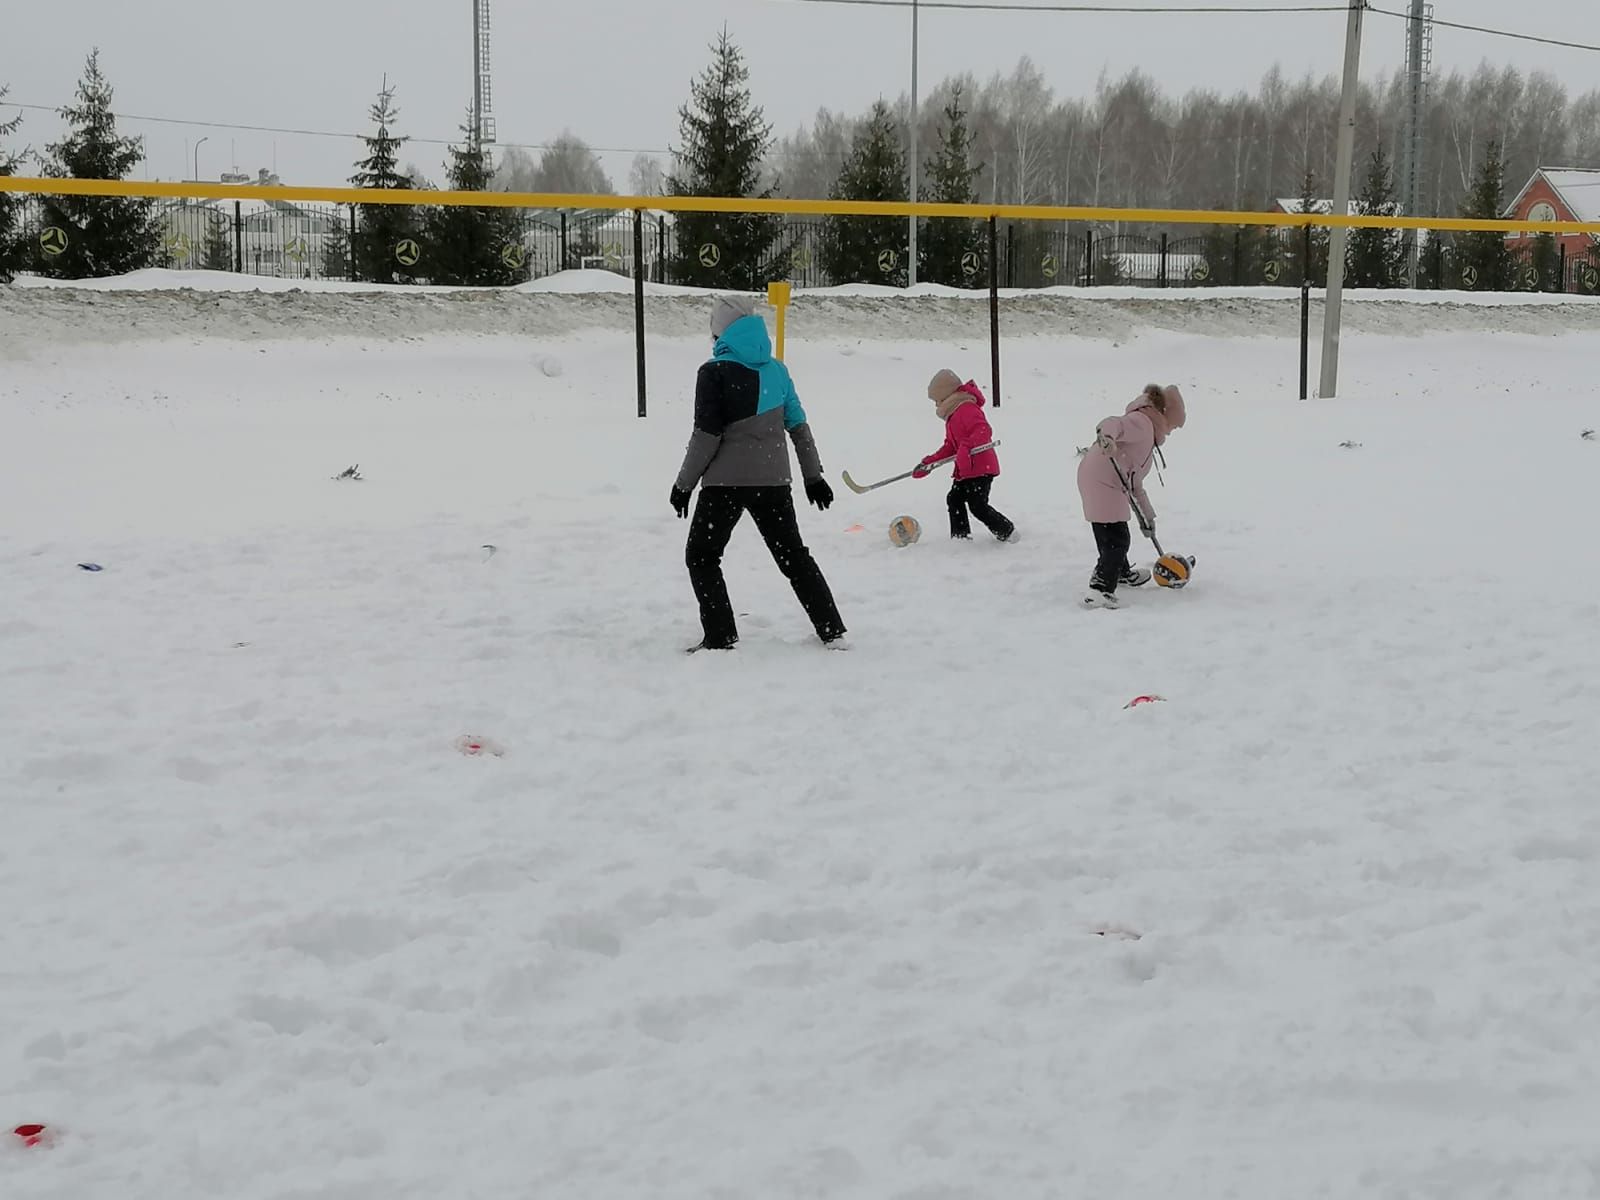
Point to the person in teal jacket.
(745, 407)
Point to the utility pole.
(1419, 56)
(1341, 202)
(911, 266)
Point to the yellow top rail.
(722, 204)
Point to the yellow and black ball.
(903, 531)
(1172, 570)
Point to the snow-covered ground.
(936, 919)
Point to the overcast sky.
(615, 71)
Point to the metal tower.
(1419, 63)
(482, 120)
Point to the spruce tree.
(1376, 257)
(1299, 268)
(1483, 257)
(1544, 258)
(869, 249)
(472, 246)
(217, 253)
(98, 235)
(335, 258)
(383, 230)
(944, 243)
(10, 240)
(724, 138)
(1236, 256)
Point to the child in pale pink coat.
(1127, 442)
(960, 407)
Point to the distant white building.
(273, 237)
(1296, 206)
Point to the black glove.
(680, 501)
(819, 493)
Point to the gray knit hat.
(725, 310)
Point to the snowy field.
(938, 919)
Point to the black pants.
(972, 495)
(772, 508)
(1112, 539)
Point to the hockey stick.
(1146, 525)
(861, 489)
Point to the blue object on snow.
(91, 566)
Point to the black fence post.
(1238, 253)
(1162, 275)
(1561, 278)
(1305, 339)
(238, 240)
(994, 308)
(355, 274)
(1088, 259)
(1305, 313)
(563, 265)
(638, 297)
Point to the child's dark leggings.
(973, 495)
(1112, 538)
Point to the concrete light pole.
(911, 266)
(1329, 384)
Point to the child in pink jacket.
(1130, 442)
(960, 407)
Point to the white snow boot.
(1134, 577)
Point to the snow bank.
(161, 279)
(579, 283)
(595, 282)
(127, 310)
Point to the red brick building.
(1559, 194)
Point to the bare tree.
(1027, 107)
(518, 171)
(567, 165)
(1130, 144)
(645, 176)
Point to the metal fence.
(308, 241)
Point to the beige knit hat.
(943, 385)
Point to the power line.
(330, 133)
(1505, 33)
(1168, 9)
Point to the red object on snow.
(1138, 700)
(31, 1135)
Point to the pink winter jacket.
(965, 428)
(1137, 433)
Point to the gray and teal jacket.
(744, 403)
